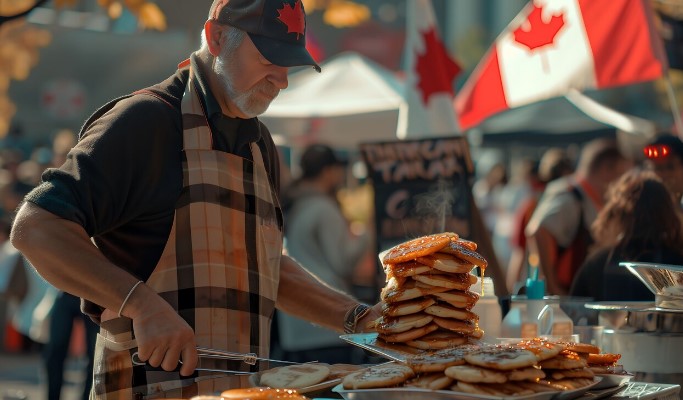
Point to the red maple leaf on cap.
(293, 17)
(540, 33)
(435, 69)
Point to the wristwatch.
(353, 315)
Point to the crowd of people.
(578, 220)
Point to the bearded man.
(165, 218)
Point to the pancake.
(526, 374)
(418, 247)
(404, 323)
(475, 374)
(450, 281)
(581, 348)
(603, 359)
(571, 373)
(465, 254)
(458, 298)
(294, 376)
(394, 292)
(341, 370)
(379, 376)
(409, 335)
(406, 269)
(439, 339)
(446, 263)
(457, 326)
(445, 310)
(468, 244)
(407, 307)
(502, 358)
(440, 359)
(564, 360)
(433, 381)
(542, 348)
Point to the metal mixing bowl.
(664, 280)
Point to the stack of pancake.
(426, 299)
(525, 368)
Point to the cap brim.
(282, 53)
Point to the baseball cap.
(316, 157)
(277, 27)
(663, 146)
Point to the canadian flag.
(553, 46)
(430, 71)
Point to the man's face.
(670, 170)
(250, 81)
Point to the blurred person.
(558, 229)
(524, 174)
(665, 157)
(318, 235)
(487, 191)
(554, 164)
(165, 217)
(637, 223)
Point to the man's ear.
(212, 33)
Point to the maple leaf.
(539, 33)
(293, 17)
(435, 68)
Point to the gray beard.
(246, 102)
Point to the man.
(165, 217)
(558, 231)
(665, 158)
(319, 237)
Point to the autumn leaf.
(293, 17)
(538, 33)
(151, 17)
(345, 14)
(435, 68)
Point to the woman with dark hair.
(638, 223)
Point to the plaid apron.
(219, 270)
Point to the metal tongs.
(203, 352)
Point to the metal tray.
(404, 393)
(612, 380)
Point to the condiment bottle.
(488, 309)
(562, 324)
(535, 319)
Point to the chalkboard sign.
(421, 187)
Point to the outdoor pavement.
(22, 377)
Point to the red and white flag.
(553, 46)
(430, 72)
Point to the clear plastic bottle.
(488, 309)
(562, 324)
(538, 317)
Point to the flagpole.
(674, 105)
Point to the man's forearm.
(63, 255)
(303, 295)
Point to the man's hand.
(163, 337)
(365, 323)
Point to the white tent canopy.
(352, 100)
(355, 100)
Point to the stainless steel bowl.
(664, 280)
